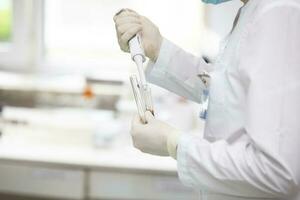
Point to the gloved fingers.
(129, 34)
(127, 19)
(123, 45)
(125, 24)
(136, 120)
(125, 10)
(149, 116)
(125, 27)
(136, 127)
(130, 10)
(121, 12)
(137, 123)
(125, 37)
(124, 15)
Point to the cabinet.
(108, 185)
(85, 183)
(41, 181)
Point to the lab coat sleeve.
(176, 71)
(264, 161)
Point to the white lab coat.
(251, 144)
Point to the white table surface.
(74, 148)
(126, 158)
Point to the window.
(79, 35)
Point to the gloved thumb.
(136, 120)
(149, 116)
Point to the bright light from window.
(5, 20)
(82, 32)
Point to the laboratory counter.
(36, 164)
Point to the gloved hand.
(155, 137)
(128, 23)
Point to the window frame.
(17, 56)
(26, 52)
(51, 67)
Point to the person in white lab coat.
(251, 143)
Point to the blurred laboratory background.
(66, 104)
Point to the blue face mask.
(215, 1)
